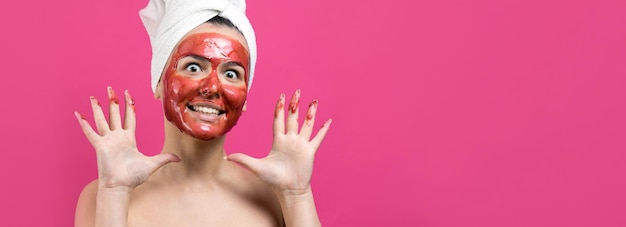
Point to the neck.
(201, 160)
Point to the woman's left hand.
(289, 165)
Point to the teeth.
(205, 110)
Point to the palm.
(289, 164)
(120, 162)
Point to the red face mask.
(205, 85)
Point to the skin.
(191, 183)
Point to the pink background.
(446, 113)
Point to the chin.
(206, 135)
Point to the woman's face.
(205, 81)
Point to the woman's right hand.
(120, 164)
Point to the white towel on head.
(167, 21)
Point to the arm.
(110, 206)
(121, 167)
(289, 165)
(298, 208)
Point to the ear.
(244, 106)
(158, 93)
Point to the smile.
(206, 110)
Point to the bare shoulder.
(86, 206)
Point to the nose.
(210, 87)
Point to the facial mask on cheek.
(205, 108)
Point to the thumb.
(251, 163)
(164, 158)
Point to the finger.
(307, 126)
(292, 116)
(279, 116)
(98, 116)
(251, 163)
(114, 109)
(162, 159)
(317, 140)
(129, 116)
(86, 127)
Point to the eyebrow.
(199, 58)
(228, 64)
(234, 63)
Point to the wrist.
(294, 195)
(114, 190)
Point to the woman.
(192, 182)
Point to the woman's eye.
(231, 74)
(193, 68)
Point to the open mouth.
(206, 110)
